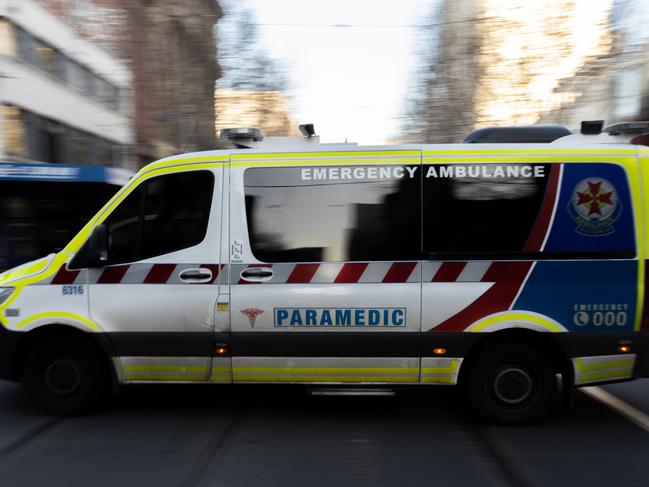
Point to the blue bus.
(42, 206)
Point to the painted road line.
(619, 406)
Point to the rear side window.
(163, 215)
(477, 210)
(517, 211)
(333, 214)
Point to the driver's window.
(123, 229)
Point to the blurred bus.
(42, 206)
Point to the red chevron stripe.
(302, 273)
(112, 275)
(449, 272)
(508, 277)
(64, 276)
(351, 272)
(159, 273)
(399, 272)
(540, 228)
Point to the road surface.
(251, 435)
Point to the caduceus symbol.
(252, 314)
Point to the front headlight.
(5, 292)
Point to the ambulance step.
(349, 391)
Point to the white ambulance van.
(499, 267)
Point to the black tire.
(65, 376)
(511, 384)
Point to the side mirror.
(98, 246)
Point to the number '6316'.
(69, 290)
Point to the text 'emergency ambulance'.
(408, 172)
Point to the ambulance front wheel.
(65, 376)
(512, 384)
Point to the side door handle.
(256, 274)
(196, 275)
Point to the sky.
(350, 80)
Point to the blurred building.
(613, 87)
(101, 21)
(173, 56)
(502, 63)
(266, 110)
(62, 97)
(169, 45)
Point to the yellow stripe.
(469, 159)
(59, 314)
(178, 368)
(25, 270)
(451, 368)
(440, 380)
(327, 162)
(603, 365)
(169, 378)
(221, 379)
(55, 265)
(557, 151)
(327, 370)
(344, 154)
(605, 375)
(639, 181)
(221, 159)
(481, 325)
(323, 378)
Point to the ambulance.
(506, 269)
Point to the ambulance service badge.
(595, 207)
(251, 314)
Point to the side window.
(176, 212)
(162, 215)
(474, 210)
(517, 211)
(123, 226)
(334, 214)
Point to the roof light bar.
(307, 129)
(592, 127)
(628, 128)
(242, 133)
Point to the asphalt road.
(283, 436)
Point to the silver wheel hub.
(513, 385)
(63, 376)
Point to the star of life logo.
(595, 207)
(251, 314)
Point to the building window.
(14, 133)
(50, 60)
(628, 94)
(34, 137)
(7, 39)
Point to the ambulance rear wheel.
(65, 376)
(512, 385)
